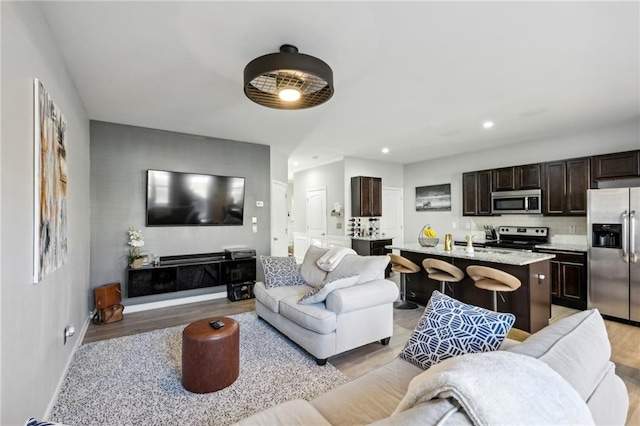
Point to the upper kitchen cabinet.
(476, 193)
(565, 187)
(366, 196)
(518, 177)
(616, 166)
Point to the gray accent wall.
(33, 316)
(120, 158)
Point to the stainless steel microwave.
(517, 202)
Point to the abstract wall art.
(50, 185)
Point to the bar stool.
(439, 270)
(493, 280)
(403, 266)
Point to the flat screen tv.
(190, 199)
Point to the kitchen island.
(531, 303)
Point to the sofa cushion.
(312, 317)
(271, 297)
(450, 328)
(295, 412)
(310, 271)
(281, 271)
(577, 347)
(319, 294)
(368, 267)
(370, 397)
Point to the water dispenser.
(608, 235)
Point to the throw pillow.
(281, 271)
(450, 328)
(319, 294)
(310, 271)
(368, 267)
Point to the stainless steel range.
(520, 237)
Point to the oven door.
(516, 202)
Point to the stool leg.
(495, 301)
(404, 303)
(442, 289)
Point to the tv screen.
(190, 199)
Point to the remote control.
(216, 324)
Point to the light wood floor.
(625, 339)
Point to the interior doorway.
(317, 217)
(279, 219)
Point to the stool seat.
(403, 266)
(439, 270)
(494, 280)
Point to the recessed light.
(385, 150)
(487, 124)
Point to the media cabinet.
(187, 272)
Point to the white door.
(392, 219)
(279, 219)
(317, 217)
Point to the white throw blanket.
(330, 260)
(500, 388)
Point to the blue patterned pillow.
(450, 328)
(281, 271)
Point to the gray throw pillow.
(450, 328)
(312, 274)
(319, 294)
(368, 267)
(281, 271)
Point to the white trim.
(80, 338)
(173, 302)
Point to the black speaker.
(240, 291)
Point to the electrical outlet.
(572, 229)
(453, 225)
(255, 228)
(467, 225)
(339, 225)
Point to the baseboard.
(79, 339)
(173, 302)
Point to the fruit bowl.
(428, 242)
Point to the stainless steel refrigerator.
(614, 270)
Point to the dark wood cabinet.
(366, 196)
(616, 166)
(565, 187)
(517, 177)
(476, 193)
(504, 179)
(528, 177)
(568, 278)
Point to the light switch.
(254, 220)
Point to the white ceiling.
(417, 77)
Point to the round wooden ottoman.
(210, 357)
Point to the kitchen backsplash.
(562, 230)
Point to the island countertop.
(508, 257)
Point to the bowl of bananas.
(427, 237)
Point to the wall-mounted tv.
(190, 199)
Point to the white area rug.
(135, 380)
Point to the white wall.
(33, 316)
(622, 137)
(329, 176)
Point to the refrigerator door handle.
(625, 237)
(633, 258)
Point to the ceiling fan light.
(269, 75)
(289, 94)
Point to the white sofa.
(575, 348)
(349, 317)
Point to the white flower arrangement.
(135, 241)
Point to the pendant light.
(288, 80)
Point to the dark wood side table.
(210, 357)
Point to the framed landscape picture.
(433, 198)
